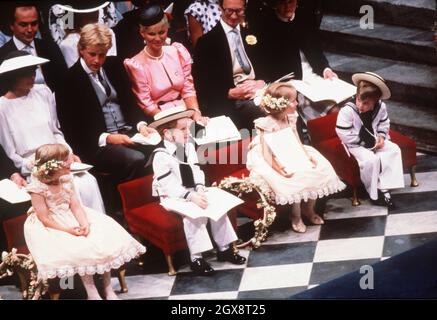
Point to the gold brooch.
(251, 40)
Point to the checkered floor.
(288, 263)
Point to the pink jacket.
(161, 83)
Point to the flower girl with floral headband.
(311, 176)
(65, 238)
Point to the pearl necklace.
(154, 57)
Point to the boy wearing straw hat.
(363, 127)
(177, 175)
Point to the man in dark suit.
(24, 25)
(285, 29)
(288, 41)
(98, 113)
(223, 68)
(9, 210)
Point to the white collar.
(286, 20)
(88, 70)
(170, 146)
(227, 27)
(21, 45)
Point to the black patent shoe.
(384, 200)
(389, 202)
(201, 268)
(230, 256)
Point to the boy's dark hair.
(367, 90)
(168, 125)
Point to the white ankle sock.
(195, 256)
(386, 193)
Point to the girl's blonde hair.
(277, 96)
(49, 159)
(96, 35)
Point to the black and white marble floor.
(288, 263)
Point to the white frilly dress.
(305, 183)
(61, 254)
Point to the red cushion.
(14, 232)
(322, 128)
(346, 167)
(407, 146)
(136, 193)
(155, 224)
(226, 160)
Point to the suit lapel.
(222, 38)
(87, 91)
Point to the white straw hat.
(170, 115)
(20, 61)
(374, 79)
(83, 7)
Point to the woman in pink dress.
(160, 73)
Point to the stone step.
(416, 14)
(409, 82)
(343, 33)
(417, 122)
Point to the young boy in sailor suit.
(363, 127)
(177, 174)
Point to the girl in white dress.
(66, 238)
(306, 183)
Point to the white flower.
(251, 40)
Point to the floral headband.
(45, 169)
(270, 103)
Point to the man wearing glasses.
(223, 71)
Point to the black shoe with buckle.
(230, 256)
(201, 267)
(388, 202)
(384, 199)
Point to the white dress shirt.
(167, 180)
(239, 75)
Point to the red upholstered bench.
(147, 219)
(14, 232)
(324, 138)
(230, 161)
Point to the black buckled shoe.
(388, 202)
(230, 256)
(384, 199)
(201, 268)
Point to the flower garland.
(245, 185)
(47, 168)
(270, 103)
(25, 266)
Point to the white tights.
(91, 290)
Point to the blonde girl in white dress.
(305, 184)
(66, 238)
